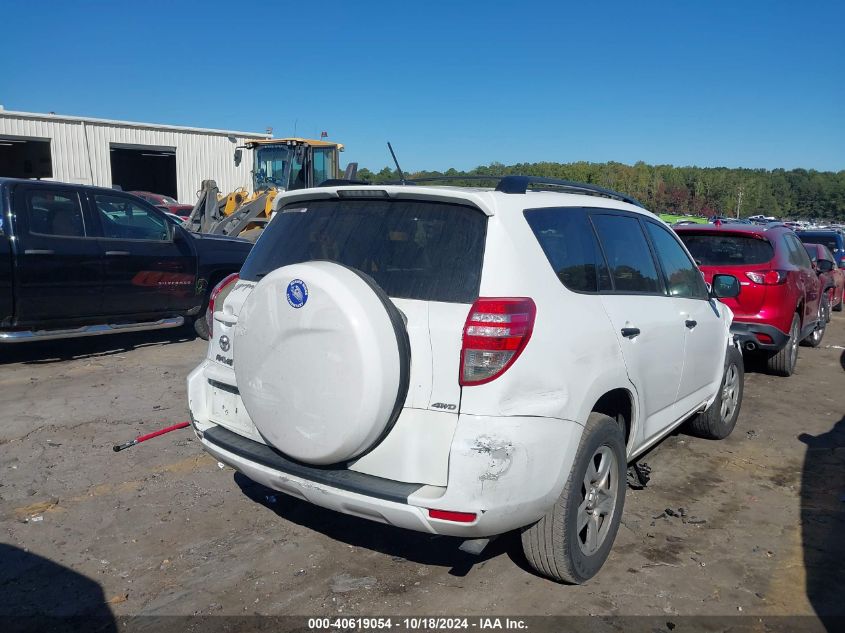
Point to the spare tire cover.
(321, 358)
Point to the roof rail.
(414, 181)
(520, 184)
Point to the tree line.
(795, 193)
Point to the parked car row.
(165, 203)
(78, 260)
(788, 287)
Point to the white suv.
(465, 361)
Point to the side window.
(297, 173)
(57, 213)
(324, 164)
(570, 245)
(802, 253)
(827, 255)
(797, 255)
(631, 265)
(125, 219)
(682, 276)
(790, 250)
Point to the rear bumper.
(747, 335)
(508, 471)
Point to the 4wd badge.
(297, 293)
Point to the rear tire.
(719, 420)
(783, 363)
(201, 326)
(554, 546)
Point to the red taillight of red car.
(495, 333)
(215, 297)
(768, 277)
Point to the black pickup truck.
(78, 260)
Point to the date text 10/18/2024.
(416, 623)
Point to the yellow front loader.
(281, 164)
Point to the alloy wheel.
(598, 502)
(730, 393)
(793, 346)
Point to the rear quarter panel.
(573, 356)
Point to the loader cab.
(293, 163)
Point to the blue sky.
(454, 84)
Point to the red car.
(781, 302)
(165, 203)
(833, 277)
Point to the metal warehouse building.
(165, 159)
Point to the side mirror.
(178, 234)
(824, 266)
(238, 156)
(724, 287)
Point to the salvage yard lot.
(161, 529)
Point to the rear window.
(413, 249)
(830, 241)
(727, 250)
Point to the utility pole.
(738, 201)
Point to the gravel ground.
(752, 524)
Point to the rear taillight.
(217, 296)
(495, 333)
(768, 278)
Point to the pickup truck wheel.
(201, 326)
(783, 363)
(572, 541)
(719, 420)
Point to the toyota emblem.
(224, 343)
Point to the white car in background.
(466, 362)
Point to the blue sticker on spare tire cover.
(297, 293)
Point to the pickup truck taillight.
(768, 277)
(218, 295)
(495, 333)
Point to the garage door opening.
(25, 158)
(137, 168)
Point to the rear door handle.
(117, 253)
(690, 323)
(39, 251)
(630, 332)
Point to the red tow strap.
(143, 438)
